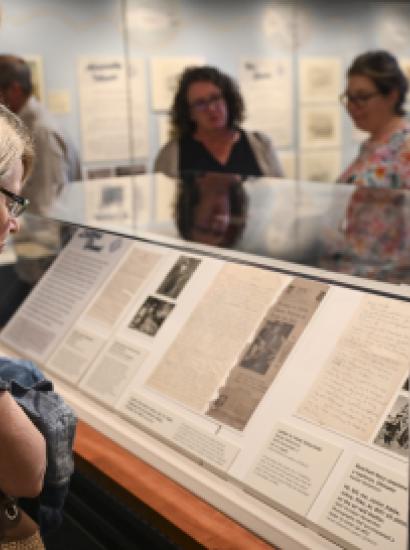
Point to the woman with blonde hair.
(23, 455)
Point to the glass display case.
(234, 332)
(334, 227)
(275, 391)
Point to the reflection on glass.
(211, 208)
(374, 236)
(350, 229)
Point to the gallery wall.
(57, 34)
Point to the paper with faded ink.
(369, 362)
(265, 353)
(209, 343)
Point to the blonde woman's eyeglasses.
(15, 204)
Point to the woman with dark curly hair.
(206, 135)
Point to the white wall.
(222, 31)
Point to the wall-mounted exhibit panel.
(279, 397)
(108, 70)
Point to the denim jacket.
(56, 421)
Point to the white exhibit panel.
(320, 126)
(320, 79)
(113, 108)
(270, 393)
(307, 46)
(266, 85)
(165, 73)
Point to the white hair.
(15, 143)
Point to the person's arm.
(50, 173)
(265, 154)
(166, 162)
(23, 451)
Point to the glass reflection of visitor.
(211, 208)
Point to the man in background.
(56, 159)
(56, 164)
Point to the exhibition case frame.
(181, 353)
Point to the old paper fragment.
(368, 365)
(208, 345)
(264, 356)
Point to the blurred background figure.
(374, 97)
(206, 136)
(211, 208)
(57, 161)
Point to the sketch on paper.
(320, 79)
(319, 127)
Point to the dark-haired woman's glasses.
(15, 204)
(201, 105)
(359, 100)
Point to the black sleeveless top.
(193, 156)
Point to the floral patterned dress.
(385, 164)
(375, 241)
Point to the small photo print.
(266, 346)
(178, 276)
(151, 315)
(394, 433)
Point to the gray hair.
(15, 143)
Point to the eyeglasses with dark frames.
(203, 104)
(356, 99)
(15, 204)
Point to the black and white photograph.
(394, 433)
(178, 276)
(266, 346)
(151, 315)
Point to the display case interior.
(277, 392)
(339, 228)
